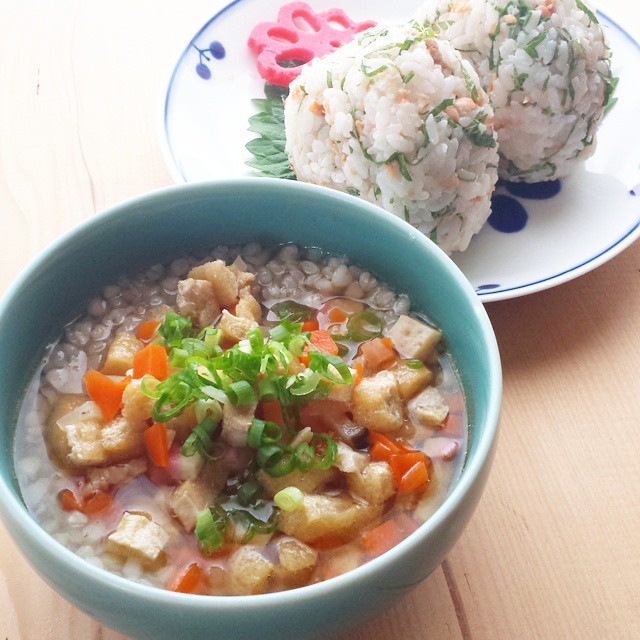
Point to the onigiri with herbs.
(547, 69)
(399, 119)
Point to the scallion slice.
(414, 364)
(267, 389)
(210, 527)
(240, 392)
(293, 311)
(364, 325)
(289, 499)
(326, 450)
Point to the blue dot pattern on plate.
(507, 214)
(215, 50)
(533, 191)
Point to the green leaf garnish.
(268, 149)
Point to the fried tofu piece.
(122, 439)
(375, 484)
(320, 516)
(84, 439)
(102, 478)
(188, 500)
(248, 307)
(233, 328)
(413, 339)
(223, 279)
(197, 300)
(428, 408)
(377, 403)
(245, 278)
(249, 571)
(350, 461)
(410, 381)
(296, 557)
(307, 482)
(55, 436)
(342, 392)
(137, 536)
(120, 355)
(136, 405)
(236, 421)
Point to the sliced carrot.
(98, 502)
(387, 342)
(401, 462)
(187, 581)
(323, 342)
(105, 392)
(155, 438)
(310, 325)
(337, 315)
(68, 501)
(381, 447)
(272, 412)
(378, 353)
(382, 538)
(153, 361)
(415, 477)
(147, 329)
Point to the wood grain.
(554, 548)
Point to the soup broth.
(244, 422)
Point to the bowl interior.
(175, 221)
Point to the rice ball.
(547, 69)
(397, 118)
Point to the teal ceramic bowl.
(175, 221)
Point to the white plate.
(594, 215)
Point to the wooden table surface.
(553, 551)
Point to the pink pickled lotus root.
(285, 40)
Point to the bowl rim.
(31, 532)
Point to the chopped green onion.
(276, 461)
(279, 333)
(414, 364)
(364, 325)
(293, 311)
(216, 394)
(327, 448)
(200, 441)
(178, 357)
(256, 339)
(304, 383)
(320, 362)
(211, 338)
(263, 433)
(289, 499)
(248, 491)
(241, 392)
(296, 345)
(175, 329)
(267, 389)
(210, 527)
(207, 408)
(305, 457)
(148, 386)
